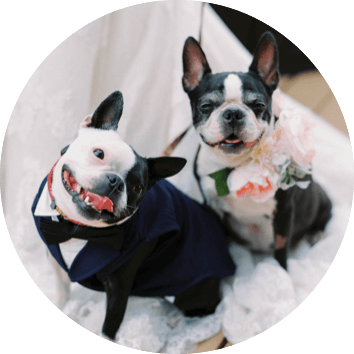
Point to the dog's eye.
(206, 108)
(138, 189)
(98, 153)
(258, 106)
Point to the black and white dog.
(231, 113)
(114, 224)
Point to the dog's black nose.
(233, 115)
(115, 181)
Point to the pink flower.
(289, 144)
(293, 135)
(264, 152)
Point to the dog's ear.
(163, 167)
(108, 113)
(195, 65)
(64, 150)
(265, 61)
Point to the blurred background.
(299, 77)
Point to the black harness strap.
(196, 174)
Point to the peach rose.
(254, 181)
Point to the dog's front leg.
(283, 225)
(118, 287)
(62, 283)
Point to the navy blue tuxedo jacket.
(191, 246)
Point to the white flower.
(293, 130)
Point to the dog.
(114, 224)
(232, 115)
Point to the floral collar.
(53, 204)
(280, 160)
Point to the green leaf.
(220, 178)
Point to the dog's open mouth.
(97, 202)
(232, 141)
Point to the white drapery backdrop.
(138, 51)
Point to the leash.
(171, 147)
(169, 150)
(201, 23)
(197, 177)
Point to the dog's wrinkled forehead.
(234, 87)
(114, 154)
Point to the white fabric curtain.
(138, 51)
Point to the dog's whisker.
(111, 191)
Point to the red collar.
(53, 204)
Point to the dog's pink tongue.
(100, 202)
(249, 145)
(232, 141)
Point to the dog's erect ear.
(265, 61)
(195, 65)
(108, 113)
(163, 167)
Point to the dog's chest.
(250, 220)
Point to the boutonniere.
(220, 178)
(280, 160)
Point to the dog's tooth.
(93, 207)
(87, 200)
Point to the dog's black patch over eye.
(98, 153)
(258, 107)
(138, 189)
(206, 108)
